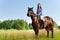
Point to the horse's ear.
(28, 7)
(32, 7)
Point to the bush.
(58, 27)
(14, 24)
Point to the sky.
(17, 9)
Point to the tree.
(55, 25)
(14, 24)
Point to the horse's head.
(30, 11)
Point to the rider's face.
(39, 6)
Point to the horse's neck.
(33, 18)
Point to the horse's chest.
(35, 19)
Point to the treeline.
(14, 24)
(18, 24)
(59, 27)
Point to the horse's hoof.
(47, 37)
(51, 37)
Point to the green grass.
(27, 35)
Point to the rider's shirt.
(39, 11)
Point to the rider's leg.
(41, 22)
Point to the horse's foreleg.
(47, 33)
(36, 32)
(52, 33)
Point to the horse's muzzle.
(27, 14)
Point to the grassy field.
(27, 35)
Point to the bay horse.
(48, 22)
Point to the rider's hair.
(38, 5)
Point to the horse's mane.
(34, 13)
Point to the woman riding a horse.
(39, 13)
(36, 24)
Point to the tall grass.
(27, 35)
